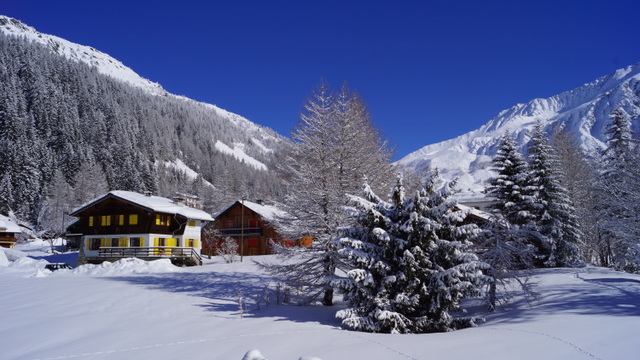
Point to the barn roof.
(267, 212)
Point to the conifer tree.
(618, 196)
(514, 201)
(554, 213)
(336, 145)
(511, 187)
(579, 177)
(411, 263)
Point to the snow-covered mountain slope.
(115, 69)
(104, 63)
(583, 112)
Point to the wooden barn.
(8, 231)
(123, 224)
(250, 224)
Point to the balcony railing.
(182, 255)
(252, 231)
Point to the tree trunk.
(327, 299)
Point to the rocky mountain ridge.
(583, 112)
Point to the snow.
(6, 225)
(582, 112)
(238, 152)
(104, 63)
(136, 310)
(267, 212)
(154, 203)
(180, 166)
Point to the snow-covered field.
(153, 310)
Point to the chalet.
(123, 224)
(250, 224)
(8, 231)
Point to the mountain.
(76, 120)
(583, 112)
(115, 69)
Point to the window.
(93, 243)
(133, 219)
(160, 241)
(115, 242)
(90, 220)
(135, 242)
(192, 223)
(253, 223)
(105, 220)
(163, 220)
(192, 242)
(120, 220)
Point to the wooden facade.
(8, 231)
(249, 224)
(125, 224)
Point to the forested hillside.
(69, 133)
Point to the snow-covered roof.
(6, 225)
(475, 212)
(152, 203)
(267, 212)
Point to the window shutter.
(120, 220)
(90, 220)
(88, 245)
(133, 219)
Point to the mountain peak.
(583, 112)
(104, 63)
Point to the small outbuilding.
(250, 224)
(8, 232)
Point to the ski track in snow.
(553, 337)
(189, 342)
(176, 343)
(381, 345)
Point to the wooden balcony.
(187, 256)
(253, 231)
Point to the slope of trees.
(101, 134)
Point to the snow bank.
(3, 258)
(124, 267)
(16, 261)
(256, 355)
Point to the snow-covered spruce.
(411, 263)
(618, 197)
(555, 217)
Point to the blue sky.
(428, 70)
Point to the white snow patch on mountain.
(238, 152)
(261, 146)
(180, 166)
